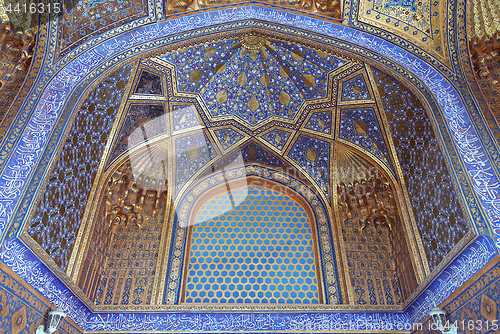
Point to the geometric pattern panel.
(320, 122)
(192, 153)
(437, 209)
(64, 199)
(253, 78)
(277, 138)
(259, 251)
(360, 127)
(371, 265)
(313, 155)
(149, 84)
(228, 137)
(184, 117)
(355, 89)
(83, 20)
(142, 123)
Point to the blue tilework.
(259, 251)
(57, 217)
(320, 121)
(438, 215)
(149, 84)
(290, 72)
(360, 127)
(355, 89)
(184, 117)
(142, 123)
(277, 138)
(313, 155)
(228, 137)
(192, 153)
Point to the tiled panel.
(253, 78)
(259, 251)
(192, 153)
(320, 121)
(360, 127)
(21, 310)
(313, 155)
(142, 123)
(228, 137)
(83, 20)
(437, 210)
(475, 310)
(149, 83)
(277, 138)
(57, 217)
(355, 89)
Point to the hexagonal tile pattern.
(258, 251)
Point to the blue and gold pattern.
(313, 156)
(254, 78)
(252, 245)
(440, 219)
(277, 138)
(361, 128)
(58, 215)
(364, 40)
(142, 123)
(355, 89)
(320, 121)
(228, 137)
(193, 152)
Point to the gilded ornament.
(361, 127)
(195, 75)
(209, 52)
(221, 96)
(253, 104)
(284, 98)
(265, 80)
(297, 55)
(242, 79)
(311, 154)
(309, 80)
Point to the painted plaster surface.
(14, 178)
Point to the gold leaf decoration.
(253, 55)
(221, 96)
(195, 75)
(321, 123)
(278, 139)
(242, 79)
(361, 127)
(265, 80)
(297, 55)
(309, 80)
(322, 54)
(311, 155)
(284, 71)
(193, 152)
(356, 90)
(284, 98)
(221, 68)
(253, 104)
(209, 52)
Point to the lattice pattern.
(437, 210)
(355, 89)
(135, 217)
(57, 217)
(258, 251)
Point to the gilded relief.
(371, 230)
(122, 254)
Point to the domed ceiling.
(182, 125)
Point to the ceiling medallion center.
(253, 42)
